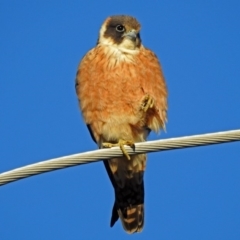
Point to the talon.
(148, 102)
(121, 144)
(107, 145)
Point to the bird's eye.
(120, 28)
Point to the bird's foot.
(121, 144)
(147, 102)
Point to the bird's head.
(121, 31)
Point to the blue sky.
(190, 193)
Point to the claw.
(121, 144)
(148, 102)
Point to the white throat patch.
(117, 54)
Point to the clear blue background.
(190, 193)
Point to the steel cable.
(102, 154)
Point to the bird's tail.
(129, 193)
(129, 207)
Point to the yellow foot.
(121, 144)
(148, 102)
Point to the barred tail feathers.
(127, 179)
(132, 218)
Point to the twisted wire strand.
(102, 154)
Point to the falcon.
(123, 97)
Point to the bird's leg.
(121, 144)
(147, 102)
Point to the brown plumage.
(122, 95)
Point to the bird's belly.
(123, 118)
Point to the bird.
(122, 95)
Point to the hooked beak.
(132, 35)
